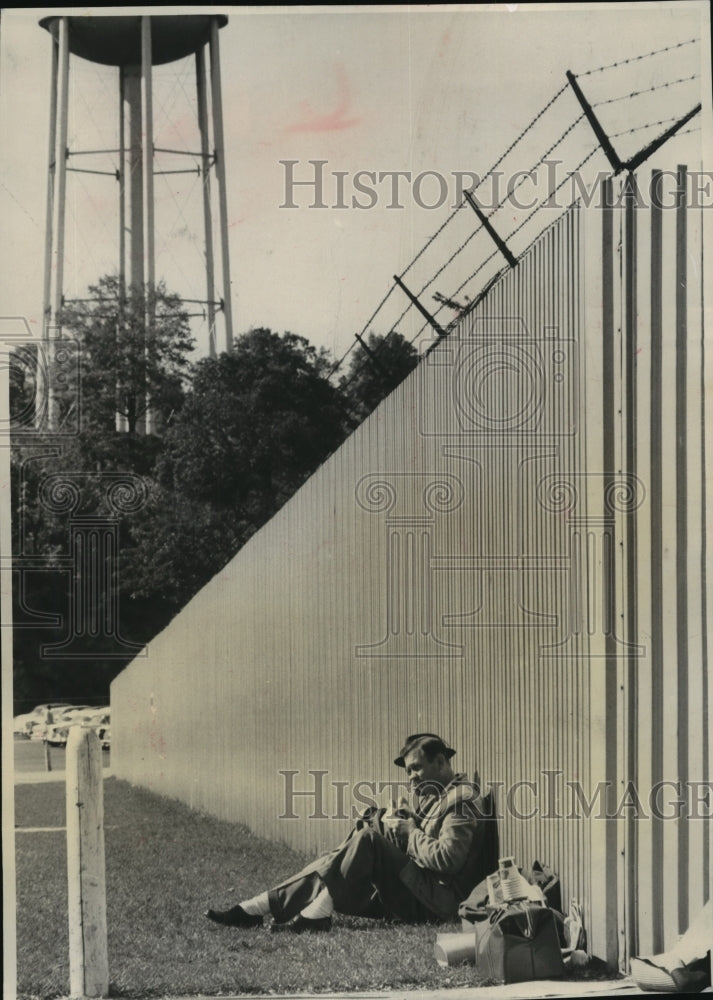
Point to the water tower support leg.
(217, 101)
(120, 419)
(147, 108)
(51, 174)
(207, 214)
(150, 265)
(61, 174)
(42, 372)
(122, 188)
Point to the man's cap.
(431, 743)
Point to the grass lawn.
(165, 864)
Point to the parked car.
(61, 716)
(36, 718)
(21, 724)
(97, 719)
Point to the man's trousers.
(363, 879)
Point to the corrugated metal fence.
(510, 551)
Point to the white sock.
(321, 906)
(258, 906)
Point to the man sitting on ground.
(418, 870)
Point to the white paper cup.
(454, 949)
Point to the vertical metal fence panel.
(489, 556)
(655, 421)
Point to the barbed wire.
(550, 195)
(428, 243)
(363, 331)
(538, 164)
(499, 205)
(478, 228)
(633, 59)
(450, 260)
(526, 130)
(648, 90)
(448, 301)
(494, 167)
(468, 279)
(460, 287)
(525, 221)
(554, 191)
(510, 235)
(640, 128)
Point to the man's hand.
(398, 826)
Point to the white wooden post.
(88, 959)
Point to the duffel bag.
(518, 943)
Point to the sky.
(429, 91)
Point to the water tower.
(135, 44)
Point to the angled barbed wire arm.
(489, 173)
(604, 141)
(421, 308)
(512, 259)
(655, 144)
(500, 243)
(372, 355)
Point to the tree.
(124, 364)
(245, 430)
(133, 353)
(376, 368)
(256, 423)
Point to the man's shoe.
(300, 925)
(649, 976)
(235, 917)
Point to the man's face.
(423, 772)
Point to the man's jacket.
(454, 848)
